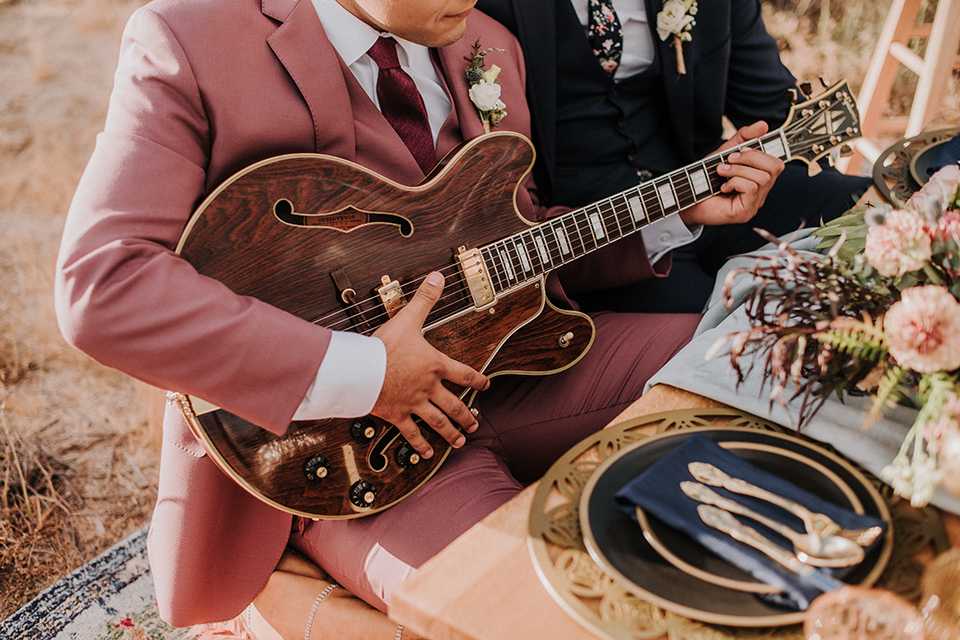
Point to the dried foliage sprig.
(805, 314)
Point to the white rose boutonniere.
(676, 19)
(485, 88)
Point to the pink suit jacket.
(203, 89)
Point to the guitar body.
(317, 236)
(340, 246)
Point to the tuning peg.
(823, 81)
(806, 88)
(846, 151)
(792, 96)
(813, 169)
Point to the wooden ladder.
(933, 71)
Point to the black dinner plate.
(617, 544)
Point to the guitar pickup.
(391, 295)
(474, 273)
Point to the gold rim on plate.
(772, 616)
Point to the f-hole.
(378, 459)
(346, 219)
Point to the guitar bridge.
(391, 295)
(475, 274)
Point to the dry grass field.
(78, 462)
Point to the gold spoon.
(815, 550)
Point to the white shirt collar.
(352, 37)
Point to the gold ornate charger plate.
(606, 609)
(795, 457)
(614, 540)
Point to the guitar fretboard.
(517, 259)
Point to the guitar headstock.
(815, 127)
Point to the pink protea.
(923, 330)
(898, 246)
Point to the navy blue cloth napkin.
(949, 154)
(657, 491)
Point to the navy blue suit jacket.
(733, 68)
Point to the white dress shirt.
(351, 375)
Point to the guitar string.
(613, 212)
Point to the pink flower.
(898, 246)
(939, 191)
(950, 225)
(923, 330)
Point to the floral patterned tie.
(605, 34)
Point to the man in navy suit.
(598, 134)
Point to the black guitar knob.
(363, 494)
(316, 469)
(363, 429)
(407, 457)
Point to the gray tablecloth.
(839, 424)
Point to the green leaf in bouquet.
(851, 226)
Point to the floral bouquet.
(877, 314)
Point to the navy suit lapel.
(537, 30)
(678, 88)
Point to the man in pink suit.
(207, 87)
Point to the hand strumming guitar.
(750, 175)
(413, 384)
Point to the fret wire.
(533, 256)
(624, 215)
(609, 218)
(599, 229)
(637, 209)
(541, 247)
(511, 251)
(586, 227)
(494, 269)
(660, 205)
(684, 190)
(575, 239)
(553, 243)
(651, 203)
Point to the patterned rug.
(109, 598)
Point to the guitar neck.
(517, 259)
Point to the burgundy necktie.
(401, 103)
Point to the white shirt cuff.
(349, 379)
(666, 234)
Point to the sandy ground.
(74, 437)
(78, 455)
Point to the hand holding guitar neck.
(413, 385)
(749, 174)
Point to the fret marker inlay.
(524, 258)
(774, 147)
(562, 239)
(597, 225)
(636, 208)
(542, 248)
(699, 180)
(666, 195)
(506, 264)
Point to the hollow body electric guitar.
(342, 247)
